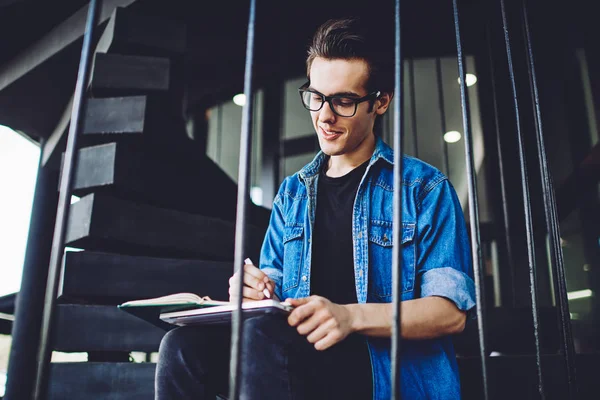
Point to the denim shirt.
(435, 250)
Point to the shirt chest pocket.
(380, 258)
(293, 244)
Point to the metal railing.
(243, 186)
(526, 204)
(397, 217)
(64, 200)
(240, 222)
(473, 201)
(551, 215)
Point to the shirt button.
(360, 273)
(360, 235)
(304, 278)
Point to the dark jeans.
(276, 362)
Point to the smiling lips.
(329, 135)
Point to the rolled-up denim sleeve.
(444, 266)
(271, 254)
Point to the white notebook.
(222, 313)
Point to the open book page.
(176, 299)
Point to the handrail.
(64, 201)
(552, 223)
(397, 217)
(473, 202)
(240, 222)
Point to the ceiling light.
(452, 136)
(240, 99)
(579, 294)
(471, 80)
(256, 195)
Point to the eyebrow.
(351, 94)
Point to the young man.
(328, 249)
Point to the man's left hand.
(322, 322)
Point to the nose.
(326, 114)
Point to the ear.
(383, 102)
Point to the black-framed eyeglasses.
(344, 106)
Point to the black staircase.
(155, 217)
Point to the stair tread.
(167, 179)
(82, 328)
(106, 223)
(136, 74)
(101, 381)
(107, 278)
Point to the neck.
(344, 163)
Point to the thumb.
(298, 302)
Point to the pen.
(265, 290)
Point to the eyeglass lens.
(343, 106)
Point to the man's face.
(341, 135)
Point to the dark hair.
(350, 38)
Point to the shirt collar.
(382, 151)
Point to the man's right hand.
(255, 281)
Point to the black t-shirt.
(332, 272)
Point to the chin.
(330, 152)
(331, 149)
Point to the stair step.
(509, 377)
(118, 115)
(162, 178)
(117, 73)
(82, 328)
(105, 223)
(101, 381)
(147, 120)
(132, 33)
(104, 278)
(7, 303)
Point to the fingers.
(321, 331)
(271, 286)
(249, 281)
(247, 293)
(310, 324)
(252, 270)
(301, 312)
(322, 322)
(329, 340)
(298, 302)
(254, 279)
(269, 289)
(253, 282)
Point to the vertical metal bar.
(413, 106)
(473, 202)
(397, 218)
(219, 132)
(552, 222)
(566, 333)
(526, 204)
(64, 200)
(29, 305)
(439, 78)
(503, 191)
(240, 222)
